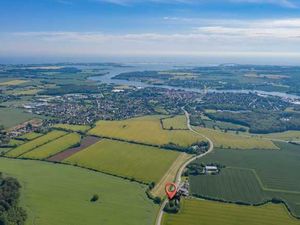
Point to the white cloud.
(283, 3)
(208, 37)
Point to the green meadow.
(60, 194)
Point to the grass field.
(54, 147)
(234, 141)
(15, 142)
(30, 136)
(27, 92)
(35, 143)
(177, 122)
(199, 212)
(144, 130)
(4, 150)
(60, 194)
(288, 136)
(143, 163)
(170, 175)
(75, 128)
(253, 176)
(13, 82)
(10, 117)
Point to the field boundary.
(276, 201)
(261, 183)
(161, 120)
(41, 145)
(34, 147)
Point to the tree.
(95, 198)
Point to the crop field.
(253, 176)
(75, 128)
(4, 150)
(54, 147)
(14, 142)
(140, 162)
(200, 212)
(60, 194)
(35, 143)
(6, 115)
(246, 186)
(30, 136)
(177, 122)
(13, 82)
(146, 130)
(234, 141)
(170, 175)
(288, 136)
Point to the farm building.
(211, 169)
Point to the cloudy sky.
(92, 28)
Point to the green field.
(60, 194)
(54, 147)
(140, 162)
(30, 136)
(234, 141)
(177, 122)
(253, 176)
(10, 117)
(144, 130)
(14, 142)
(75, 128)
(288, 136)
(199, 212)
(4, 150)
(35, 143)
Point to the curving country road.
(180, 171)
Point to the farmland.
(287, 135)
(68, 127)
(199, 212)
(146, 130)
(12, 82)
(236, 141)
(6, 115)
(30, 136)
(140, 162)
(56, 194)
(35, 143)
(177, 123)
(255, 180)
(54, 147)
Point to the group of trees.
(3, 136)
(10, 212)
(196, 148)
(261, 122)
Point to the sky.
(265, 31)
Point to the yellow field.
(13, 82)
(288, 136)
(28, 146)
(30, 136)
(177, 122)
(27, 92)
(170, 175)
(68, 127)
(143, 163)
(146, 130)
(53, 147)
(229, 140)
(201, 212)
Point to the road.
(181, 169)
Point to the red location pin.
(171, 190)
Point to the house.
(211, 169)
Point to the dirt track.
(85, 142)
